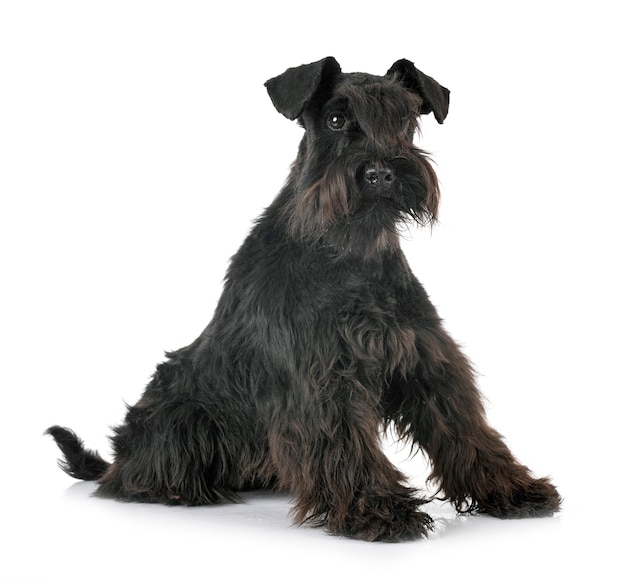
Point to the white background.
(137, 144)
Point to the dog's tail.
(79, 462)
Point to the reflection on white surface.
(263, 511)
(80, 532)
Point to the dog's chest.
(374, 332)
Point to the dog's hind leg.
(174, 453)
(440, 409)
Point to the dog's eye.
(336, 121)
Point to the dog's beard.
(415, 195)
(343, 210)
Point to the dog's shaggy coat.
(322, 338)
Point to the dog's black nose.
(380, 177)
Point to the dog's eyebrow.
(338, 104)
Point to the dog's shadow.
(259, 510)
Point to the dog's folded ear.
(293, 90)
(436, 98)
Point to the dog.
(323, 339)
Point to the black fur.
(322, 338)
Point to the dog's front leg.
(328, 454)
(440, 408)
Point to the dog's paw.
(534, 498)
(384, 519)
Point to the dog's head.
(358, 174)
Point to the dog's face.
(358, 174)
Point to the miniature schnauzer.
(323, 338)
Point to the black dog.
(323, 338)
